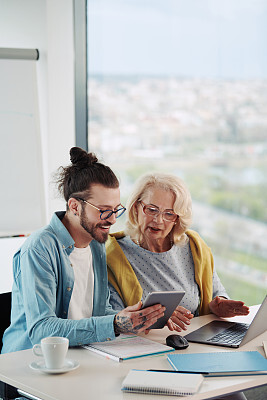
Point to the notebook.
(125, 347)
(166, 383)
(220, 364)
(231, 334)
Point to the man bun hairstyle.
(81, 158)
(85, 170)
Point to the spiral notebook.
(166, 383)
(125, 347)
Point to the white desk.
(100, 378)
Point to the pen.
(161, 370)
(12, 236)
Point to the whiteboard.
(22, 199)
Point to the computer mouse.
(177, 342)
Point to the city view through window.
(181, 87)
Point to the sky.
(185, 38)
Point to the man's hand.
(228, 308)
(180, 319)
(134, 320)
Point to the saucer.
(69, 365)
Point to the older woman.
(157, 252)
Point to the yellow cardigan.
(121, 274)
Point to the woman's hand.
(228, 308)
(180, 319)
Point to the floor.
(259, 393)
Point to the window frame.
(80, 71)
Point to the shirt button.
(63, 246)
(108, 338)
(64, 312)
(71, 265)
(68, 289)
(70, 246)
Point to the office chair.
(6, 392)
(5, 307)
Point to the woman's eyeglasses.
(154, 211)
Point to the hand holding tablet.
(170, 300)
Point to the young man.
(60, 277)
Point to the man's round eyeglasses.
(154, 211)
(105, 214)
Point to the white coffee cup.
(54, 350)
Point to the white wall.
(48, 26)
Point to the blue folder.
(220, 363)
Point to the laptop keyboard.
(232, 335)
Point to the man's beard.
(93, 229)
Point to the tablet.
(170, 300)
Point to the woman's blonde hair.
(182, 204)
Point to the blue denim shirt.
(42, 288)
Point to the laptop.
(231, 334)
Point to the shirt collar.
(61, 231)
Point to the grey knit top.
(170, 270)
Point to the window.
(181, 87)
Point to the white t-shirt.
(81, 302)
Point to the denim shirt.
(42, 288)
